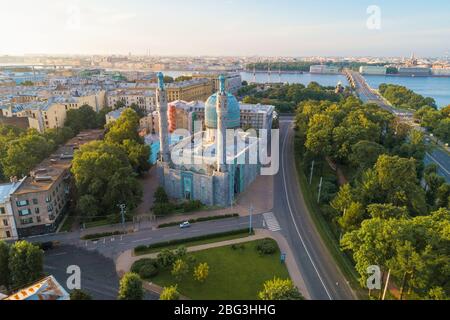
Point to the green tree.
(397, 178)
(77, 294)
(166, 258)
(87, 205)
(138, 155)
(81, 119)
(179, 269)
(4, 264)
(201, 272)
(25, 153)
(131, 287)
(25, 263)
(124, 128)
(279, 289)
(319, 136)
(344, 198)
(161, 195)
(386, 211)
(365, 154)
(102, 171)
(352, 217)
(170, 293)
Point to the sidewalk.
(126, 259)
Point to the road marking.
(271, 221)
(57, 254)
(140, 240)
(295, 224)
(438, 163)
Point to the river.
(434, 87)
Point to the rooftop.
(43, 176)
(45, 289)
(6, 189)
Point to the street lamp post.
(250, 220)
(122, 207)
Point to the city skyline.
(264, 28)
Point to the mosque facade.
(212, 165)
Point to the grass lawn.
(194, 243)
(233, 274)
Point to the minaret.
(222, 110)
(161, 107)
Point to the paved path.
(126, 259)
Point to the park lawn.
(233, 274)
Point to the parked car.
(185, 224)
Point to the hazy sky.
(227, 27)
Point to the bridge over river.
(438, 155)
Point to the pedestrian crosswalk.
(271, 221)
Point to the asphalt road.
(322, 276)
(112, 246)
(442, 160)
(98, 273)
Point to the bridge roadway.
(437, 156)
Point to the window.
(8, 234)
(26, 221)
(35, 201)
(48, 199)
(2, 210)
(22, 203)
(38, 219)
(50, 208)
(5, 222)
(36, 210)
(24, 212)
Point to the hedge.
(171, 224)
(95, 236)
(143, 248)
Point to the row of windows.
(23, 203)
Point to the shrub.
(137, 265)
(148, 271)
(141, 248)
(161, 195)
(192, 205)
(96, 236)
(266, 247)
(162, 209)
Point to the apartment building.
(189, 90)
(144, 99)
(8, 230)
(39, 203)
(233, 81)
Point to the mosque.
(213, 164)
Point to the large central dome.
(233, 118)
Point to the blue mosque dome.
(233, 118)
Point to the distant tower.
(222, 110)
(268, 73)
(161, 107)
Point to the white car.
(185, 224)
